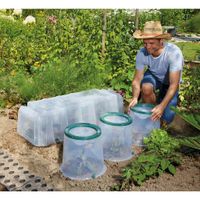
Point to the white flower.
(29, 20)
(7, 17)
(17, 12)
(3, 11)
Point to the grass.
(191, 50)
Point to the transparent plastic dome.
(83, 152)
(142, 122)
(117, 136)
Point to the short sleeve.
(140, 60)
(176, 60)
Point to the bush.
(56, 78)
(193, 24)
(190, 89)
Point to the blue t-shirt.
(171, 59)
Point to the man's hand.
(157, 112)
(133, 102)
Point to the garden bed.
(45, 162)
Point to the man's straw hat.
(152, 29)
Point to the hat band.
(150, 34)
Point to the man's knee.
(168, 116)
(147, 89)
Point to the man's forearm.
(135, 90)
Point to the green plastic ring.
(88, 125)
(148, 105)
(129, 120)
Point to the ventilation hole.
(11, 172)
(2, 176)
(44, 185)
(10, 160)
(50, 190)
(16, 176)
(1, 153)
(22, 180)
(5, 157)
(7, 181)
(57, 141)
(12, 186)
(20, 168)
(28, 186)
(34, 190)
(15, 164)
(1, 164)
(18, 190)
(31, 176)
(6, 168)
(37, 180)
(26, 172)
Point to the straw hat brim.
(140, 35)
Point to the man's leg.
(168, 114)
(147, 93)
(148, 86)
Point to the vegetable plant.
(194, 120)
(160, 156)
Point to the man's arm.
(136, 87)
(174, 78)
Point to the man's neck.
(158, 52)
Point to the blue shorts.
(168, 114)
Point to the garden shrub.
(193, 25)
(190, 89)
(160, 156)
(55, 78)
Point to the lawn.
(191, 50)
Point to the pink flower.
(121, 92)
(52, 19)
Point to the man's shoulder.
(143, 51)
(170, 47)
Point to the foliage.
(121, 50)
(160, 156)
(150, 15)
(194, 120)
(172, 17)
(191, 118)
(192, 142)
(167, 16)
(72, 34)
(193, 25)
(190, 89)
(54, 79)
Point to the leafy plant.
(192, 25)
(192, 142)
(160, 155)
(191, 118)
(194, 120)
(190, 90)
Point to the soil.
(46, 162)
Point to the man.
(164, 63)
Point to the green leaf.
(160, 172)
(164, 164)
(152, 170)
(172, 169)
(192, 119)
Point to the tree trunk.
(103, 34)
(137, 19)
